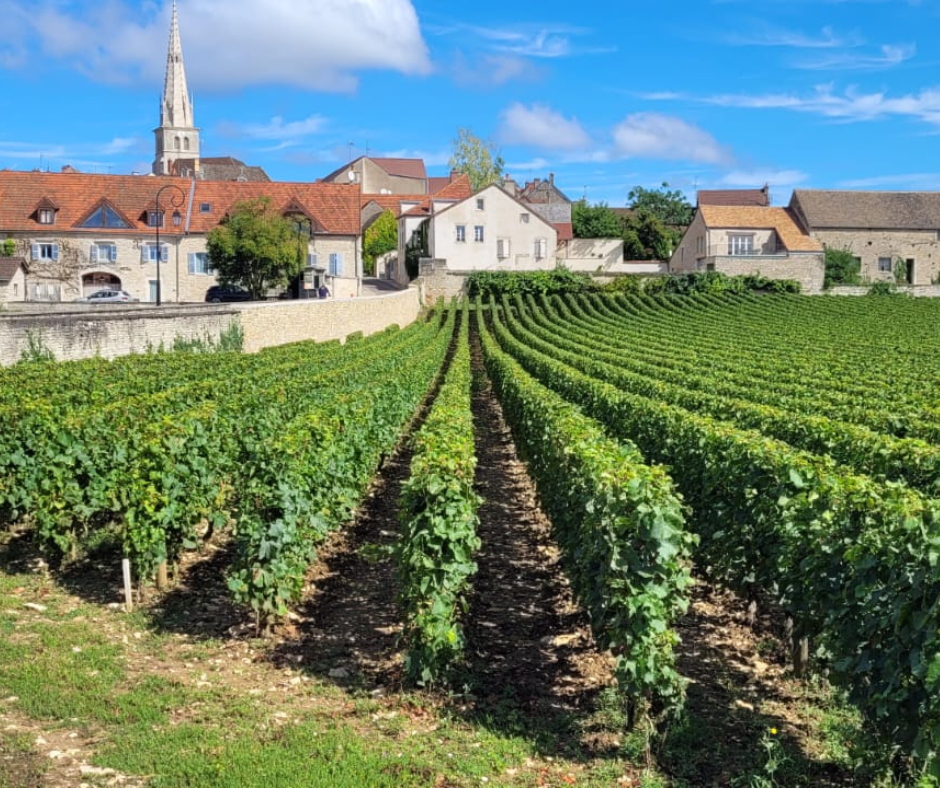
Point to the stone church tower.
(177, 139)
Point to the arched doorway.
(99, 280)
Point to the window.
(16, 289)
(478, 233)
(480, 203)
(884, 264)
(205, 207)
(199, 263)
(103, 253)
(541, 248)
(185, 143)
(524, 218)
(155, 218)
(148, 253)
(45, 251)
(461, 233)
(312, 260)
(105, 216)
(336, 264)
(46, 216)
(502, 248)
(700, 244)
(740, 244)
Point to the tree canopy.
(256, 247)
(380, 237)
(477, 158)
(595, 221)
(670, 207)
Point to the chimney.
(551, 178)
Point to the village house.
(750, 240)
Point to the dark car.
(219, 293)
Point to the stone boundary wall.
(918, 291)
(111, 331)
(280, 322)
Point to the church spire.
(177, 138)
(176, 109)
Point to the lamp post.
(176, 202)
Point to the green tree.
(8, 248)
(595, 221)
(380, 237)
(255, 247)
(842, 268)
(477, 158)
(645, 237)
(670, 207)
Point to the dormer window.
(155, 218)
(105, 216)
(205, 207)
(46, 216)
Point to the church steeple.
(177, 138)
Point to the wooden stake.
(161, 576)
(128, 590)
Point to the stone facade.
(877, 249)
(74, 331)
(808, 269)
(591, 254)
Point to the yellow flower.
(773, 731)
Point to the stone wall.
(921, 246)
(279, 322)
(807, 269)
(110, 331)
(918, 291)
(438, 281)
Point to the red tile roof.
(76, 195)
(741, 197)
(334, 207)
(565, 231)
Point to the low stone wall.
(809, 269)
(279, 322)
(918, 291)
(111, 331)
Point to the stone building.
(894, 235)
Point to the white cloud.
(755, 178)
(277, 129)
(317, 46)
(888, 57)
(651, 135)
(848, 106)
(492, 70)
(542, 127)
(779, 37)
(910, 180)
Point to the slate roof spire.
(177, 108)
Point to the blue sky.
(607, 95)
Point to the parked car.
(107, 297)
(218, 293)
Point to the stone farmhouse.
(894, 235)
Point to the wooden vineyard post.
(128, 590)
(161, 576)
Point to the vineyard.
(784, 448)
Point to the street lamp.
(176, 202)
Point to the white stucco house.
(488, 231)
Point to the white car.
(107, 297)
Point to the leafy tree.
(645, 237)
(477, 158)
(670, 207)
(8, 248)
(842, 268)
(380, 237)
(256, 247)
(595, 221)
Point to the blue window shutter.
(339, 264)
(192, 262)
(164, 253)
(93, 253)
(55, 251)
(34, 252)
(144, 254)
(112, 253)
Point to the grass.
(176, 711)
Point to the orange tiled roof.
(761, 218)
(333, 207)
(76, 194)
